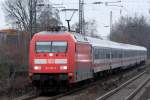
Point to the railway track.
(113, 79)
(35, 97)
(129, 89)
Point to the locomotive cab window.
(43, 46)
(59, 46)
(52, 46)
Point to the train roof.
(107, 43)
(98, 42)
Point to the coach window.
(97, 54)
(94, 53)
(112, 54)
(116, 53)
(59, 46)
(100, 53)
(125, 54)
(104, 53)
(107, 54)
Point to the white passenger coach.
(110, 55)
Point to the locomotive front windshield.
(52, 46)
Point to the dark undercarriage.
(51, 82)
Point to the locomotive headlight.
(63, 67)
(37, 67)
(40, 61)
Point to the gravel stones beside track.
(103, 86)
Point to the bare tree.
(132, 30)
(20, 10)
(27, 12)
(48, 18)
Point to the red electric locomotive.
(57, 59)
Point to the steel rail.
(108, 94)
(131, 96)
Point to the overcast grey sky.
(101, 12)
(2, 17)
(98, 12)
